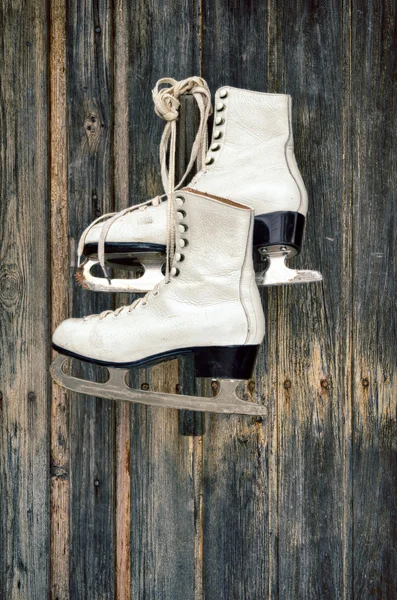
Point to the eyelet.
(174, 272)
(209, 160)
(220, 106)
(219, 121)
(215, 147)
(223, 94)
(183, 243)
(167, 282)
(181, 214)
(180, 200)
(144, 303)
(182, 228)
(154, 294)
(217, 134)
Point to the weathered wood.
(92, 421)
(374, 336)
(122, 198)
(239, 511)
(162, 506)
(313, 320)
(60, 497)
(24, 308)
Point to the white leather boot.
(208, 305)
(134, 239)
(251, 160)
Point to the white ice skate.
(251, 160)
(134, 239)
(207, 305)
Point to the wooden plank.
(313, 320)
(24, 307)
(60, 493)
(240, 471)
(163, 44)
(92, 421)
(123, 194)
(374, 339)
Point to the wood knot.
(365, 382)
(31, 396)
(145, 386)
(287, 384)
(11, 289)
(324, 384)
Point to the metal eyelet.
(217, 134)
(220, 106)
(215, 147)
(222, 93)
(154, 294)
(209, 160)
(144, 303)
(181, 214)
(180, 200)
(182, 228)
(219, 121)
(174, 272)
(183, 243)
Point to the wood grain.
(162, 461)
(239, 466)
(122, 199)
(24, 307)
(374, 336)
(60, 493)
(92, 421)
(313, 320)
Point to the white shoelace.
(166, 102)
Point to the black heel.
(225, 362)
(279, 229)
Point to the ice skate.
(207, 305)
(251, 160)
(134, 239)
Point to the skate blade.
(151, 276)
(225, 402)
(278, 273)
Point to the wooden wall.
(100, 500)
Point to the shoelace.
(166, 102)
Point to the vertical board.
(163, 43)
(239, 469)
(374, 106)
(60, 481)
(313, 323)
(92, 421)
(24, 307)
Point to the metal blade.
(226, 401)
(151, 276)
(277, 273)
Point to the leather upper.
(213, 301)
(146, 224)
(252, 153)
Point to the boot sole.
(216, 362)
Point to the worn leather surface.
(213, 301)
(146, 224)
(255, 163)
